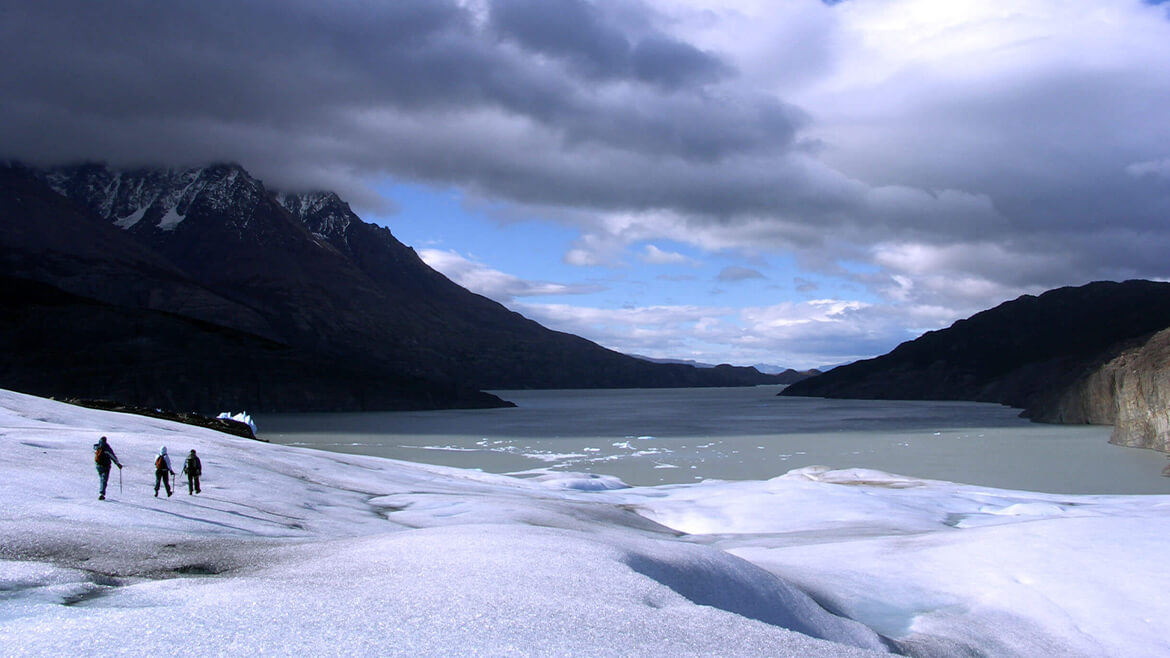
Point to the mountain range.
(201, 289)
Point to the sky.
(790, 182)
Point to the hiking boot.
(101, 496)
(156, 493)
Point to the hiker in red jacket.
(103, 456)
(163, 471)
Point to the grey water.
(670, 436)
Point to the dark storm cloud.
(597, 46)
(1013, 164)
(85, 77)
(573, 30)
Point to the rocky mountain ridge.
(206, 271)
(1073, 355)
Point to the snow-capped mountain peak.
(154, 199)
(324, 213)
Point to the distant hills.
(1046, 354)
(200, 289)
(782, 375)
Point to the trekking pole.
(119, 480)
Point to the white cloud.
(495, 284)
(968, 151)
(792, 334)
(1154, 168)
(654, 256)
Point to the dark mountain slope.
(58, 344)
(221, 227)
(1023, 353)
(47, 238)
(300, 273)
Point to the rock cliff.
(1131, 392)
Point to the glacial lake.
(668, 436)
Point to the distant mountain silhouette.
(1023, 353)
(782, 375)
(199, 288)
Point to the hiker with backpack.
(163, 471)
(192, 468)
(103, 456)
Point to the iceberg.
(242, 417)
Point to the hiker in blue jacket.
(103, 456)
(163, 471)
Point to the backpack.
(101, 456)
(192, 465)
(160, 463)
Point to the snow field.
(294, 551)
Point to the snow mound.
(1025, 509)
(866, 477)
(580, 481)
(714, 578)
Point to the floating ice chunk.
(646, 438)
(552, 456)
(623, 444)
(444, 448)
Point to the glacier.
(295, 551)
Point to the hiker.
(103, 456)
(192, 468)
(163, 471)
